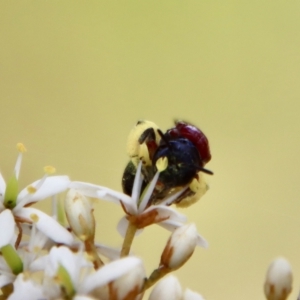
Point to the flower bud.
(129, 285)
(190, 295)
(80, 215)
(278, 284)
(180, 247)
(167, 288)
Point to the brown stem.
(7, 290)
(92, 250)
(19, 238)
(155, 276)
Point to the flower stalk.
(129, 236)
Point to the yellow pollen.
(31, 189)
(88, 257)
(21, 148)
(162, 164)
(36, 249)
(49, 170)
(34, 218)
(194, 185)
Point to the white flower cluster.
(41, 258)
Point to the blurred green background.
(75, 76)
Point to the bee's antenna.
(163, 137)
(206, 171)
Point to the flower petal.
(148, 193)
(6, 279)
(7, 222)
(25, 288)
(104, 193)
(72, 262)
(122, 227)
(45, 224)
(167, 212)
(87, 189)
(83, 298)
(190, 295)
(52, 185)
(170, 225)
(108, 273)
(39, 264)
(201, 241)
(108, 252)
(167, 288)
(116, 197)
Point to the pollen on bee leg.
(194, 185)
(162, 164)
(144, 155)
(34, 217)
(49, 170)
(21, 148)
(31, 189)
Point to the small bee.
(187, 150)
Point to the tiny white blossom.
(180, 247)
(136, 207)
(81, 283)
(80, 215)
(18, 202)
(23, 259)
(130, 284)
(278, 283)
(26, 289)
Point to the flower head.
(278, 284)
(19, 202)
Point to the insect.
(187, 150)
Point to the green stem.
(131, 230)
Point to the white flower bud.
(129, 285)
(278, 284)
(180, 247)
(79, 213)
(190, 295)
(167, 288)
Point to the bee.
(187, 149)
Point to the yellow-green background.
(75, 76)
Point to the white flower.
(170, 288)
(39, 190)
(279, 278)
(26, 289)
(80, 215)
(67, 269)
(137, 207)
(180, 247)
(14, 261)
(129, 285)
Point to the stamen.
(21, 148)
(34, 217)
(149, 190)
(49, 170)
(31, 189)
(162, 164)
